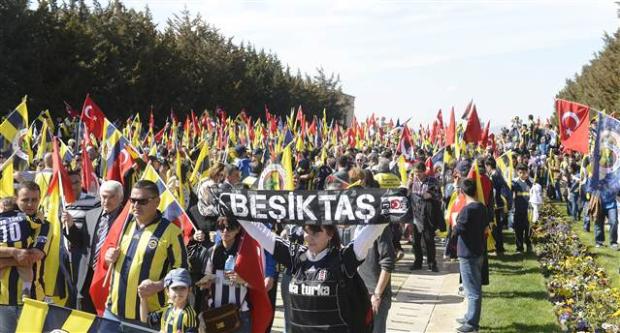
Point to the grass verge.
(516, 299)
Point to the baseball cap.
(178, 277)
(239, 149)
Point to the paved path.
(422, 301)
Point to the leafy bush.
(578, 287)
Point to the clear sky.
(407, 59)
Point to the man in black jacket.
(425, 196)
(471, 223)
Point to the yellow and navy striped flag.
(12, 127)
(42, 317)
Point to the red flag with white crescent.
(574, 124)
(93, 117)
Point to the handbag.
(224, 319)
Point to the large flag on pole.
(12, 129)
(249, 266)
(43, 317)
(56, 275)
(98, 289)
(473, 130)
(451, 129)
(574, 123)
(606, 170)
(7, 180)
(93, 117)
(119, 155)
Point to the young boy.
(521, 190)
(178, 316)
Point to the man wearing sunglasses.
(149, 247)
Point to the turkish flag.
(98, 290)
(249, 266)
(60, 176)
(485, 136)
(93, 117)
(574, 122)
(451, 129)
(473, 131)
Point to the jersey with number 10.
(17, 230)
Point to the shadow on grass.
(540, 295)
(518, 327)
(515, 271)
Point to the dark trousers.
(272, 298)
(397, 233)
(522, 232)
(500, 219)
(85, 303)
(428, 237)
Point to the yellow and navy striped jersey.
(17, 230)
(171, 320)
(145, 253)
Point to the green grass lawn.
(605, 256)
(516, 299)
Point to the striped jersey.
(171, 320)
(224, 291)
(145, 253)
(17, 230)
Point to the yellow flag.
(180, 187)
(6, 184)
(287, 164)
(201, 164)
(402, 169)
(53, 258)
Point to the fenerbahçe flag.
(606, 171)
(12, 129)
(42, 317)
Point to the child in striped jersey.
(178, 316)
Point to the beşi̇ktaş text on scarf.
(355, 206)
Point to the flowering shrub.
(579, 288)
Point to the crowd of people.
(469, 196)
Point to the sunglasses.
(140, 202)
(223, 227)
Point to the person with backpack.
(326, 292)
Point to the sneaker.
(614, 246)
(466, 329)
(598, 245)
(461, 321)
(519, 250)
(433, 268)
